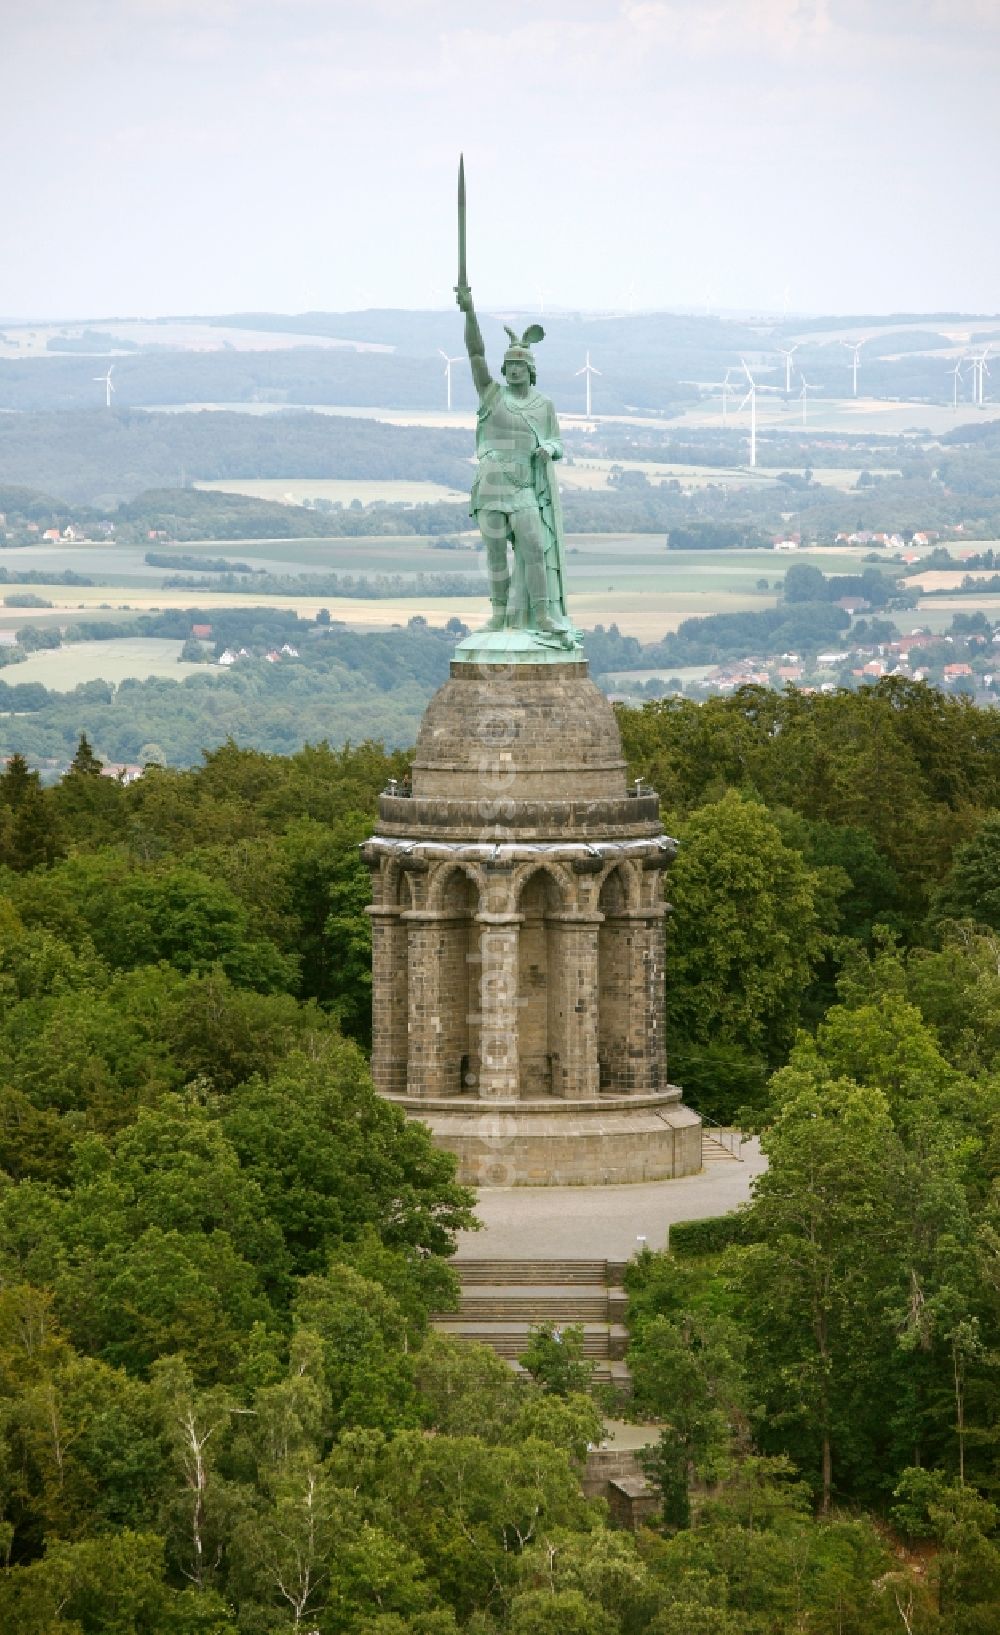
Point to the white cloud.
(667, 142)
(729, 25)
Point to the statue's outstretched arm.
(474, 343)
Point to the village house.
(125, 773)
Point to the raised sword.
(463, 277)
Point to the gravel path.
(603, 1223)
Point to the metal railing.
(731, 1140)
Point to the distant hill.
(654, 362)
(101, 456)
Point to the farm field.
(460, 419)
(627, 579)
(959, 333)
(638, 611)
(339, 490)
(942, 579)
(864, 416)
(593, 474)
(20, 340)
(63, 668)
(937, 612)
(680, 672)
(125, 565)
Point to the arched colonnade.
(520, 981)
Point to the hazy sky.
(177, 156)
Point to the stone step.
(714, 1151)
(614, 1372)
(554, 1303)
(606, 1371)
(535, 1272)
(512, 1336)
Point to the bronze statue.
(515, 498)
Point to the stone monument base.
(611, 1141)
(506, 647)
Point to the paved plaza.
(604, 1222)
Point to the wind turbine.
(807, 387)
(956, 375)
(751, 398)
(788, 356)
(588, 370)
(725, 397)
(108, 387)
(855, 348)
(447, 372)
(979, 369)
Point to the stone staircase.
(713, 1151)
(503, 1300)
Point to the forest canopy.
(224, 1408)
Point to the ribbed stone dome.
(529, 732)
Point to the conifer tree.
(85, 761)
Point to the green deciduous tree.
(330, 1156)
(745, 933)
(556, 1358)
(813, 1290)
(971, 889)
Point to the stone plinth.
(518, 958)
(612, 1141)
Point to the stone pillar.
(573, 1006)
(646, 1046)
(497, 1018)
(423, 1067)
(389, 998)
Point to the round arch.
(444, 881)
(555, 876)
(622, 874)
